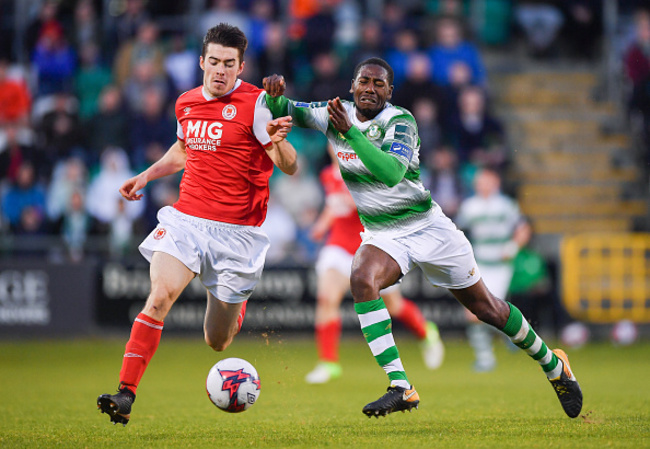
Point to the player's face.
(371, 90)
(221, 67)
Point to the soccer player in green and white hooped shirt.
(377, 147)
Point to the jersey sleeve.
(179, 131)
(305, 115)
(261, 117)
(401, 138)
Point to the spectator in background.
(316, 27)
(149, 126)
(417, 84)
(478, 137)
(54, 62)
(145, 77)
(637, 56)
(59, 130)
(14, 150)
(223, 11)
(109, 127)
(541, 22)
(425, 111)
(103, 201)
(281, 230)
(69, 176)
(86, 29)
(275, 56)
(76, 225)
(47, 19)
(394, 20)
(460, 77)
(451, 48)
(583, 29)
(327, 81)
(637, 69)
(15, 100)
(143, 48)
(399, 54)
(370, 45)
(126, 24)
(180, 65)
(23, 204)
(444, 182)
(91, 78)
(261, 17)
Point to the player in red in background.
(340, 221)
(227, 144)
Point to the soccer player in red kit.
(340, 221)
(227, 143)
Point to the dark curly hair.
(228, 36)
(375, 61)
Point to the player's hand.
(129, 189)
(274, 85)
(338, 115)
(279, 128)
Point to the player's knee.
(362, 286)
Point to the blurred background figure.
(23, 203)
(451, 47)
(15, 99)
(495, 227)
(541, 22)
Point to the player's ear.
(201, 63)
(352, 87)
(241, 68)
(390, 92)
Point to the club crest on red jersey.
(159, 233)
(229, 112)
(187, 110)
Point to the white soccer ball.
(233, 385)
(624, 333)
(575, 335)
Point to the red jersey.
(346, 227)
(227, 171)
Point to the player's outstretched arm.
(173, 161)
(281, 152)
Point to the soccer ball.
(233, 385)
(575, 335)
(624, 333)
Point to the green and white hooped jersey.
(491, 223)
(403, 208)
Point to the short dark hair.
(375, 61)
(228, 36)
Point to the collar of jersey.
(209, 97)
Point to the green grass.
(49, 390)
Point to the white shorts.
(228, 258)
(442, 252)
(497, 278)
(333, 257)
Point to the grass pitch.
(49, 391)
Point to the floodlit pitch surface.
(49, 391)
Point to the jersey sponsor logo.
(203, 135)
(159, 233)
(373, 131)
(187, 110)
(229, 112)
(343, 156)
(401, 150)
(471, 272)
(301, 104)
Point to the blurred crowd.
(89, 102)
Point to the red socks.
(411, 316)
(145, 336)
(242, 314)
(328, 336)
